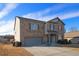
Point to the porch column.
(49, 39)
(56, 38)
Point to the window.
(34, 26)
(60, 27)
(51, 26)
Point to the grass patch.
(9, 50)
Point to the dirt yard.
(9, 50)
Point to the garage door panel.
(32, 41)
(75, 40)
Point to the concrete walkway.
(52, 51)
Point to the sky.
(68, 13)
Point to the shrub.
(17, 44)
(65, 41)
(70, 42)
(59, 41)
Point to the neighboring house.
(2, 39)
(6, 38)
(73, 36)
(35, 32)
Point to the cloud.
(41, 14)
(7, 9)
(6, 27)
(63, 16)
(69, 15)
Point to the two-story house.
(32, 32)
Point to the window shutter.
(38, 26)
(30, 26)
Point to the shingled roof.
(71, 34)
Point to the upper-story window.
(60, 27)
(34, 26)
(51, 27)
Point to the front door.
(53, 39)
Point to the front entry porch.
(52, 39)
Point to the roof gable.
(56, 20)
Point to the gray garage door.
(32, 42)
(75, 40)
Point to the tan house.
(35, 32)
(73, 36)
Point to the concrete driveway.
(53, 51)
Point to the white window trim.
(34, 27)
